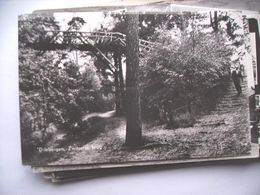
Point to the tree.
(133, 111)
(32, 29)
(76, 23)
(182, 70)
(149, 22)
(148, 25)
(54, 92)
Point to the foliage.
(32, 28)
(54, 92)
(76, 23)
(193, 57)
(149, 23)
(184, 120)
(182, 70)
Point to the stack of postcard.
(109, 90)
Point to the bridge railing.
(60, 35)
(76, 37)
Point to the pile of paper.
(112, 90)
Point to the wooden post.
(117, 87)
(121, 82)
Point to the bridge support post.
(117, 82)
(121, 81)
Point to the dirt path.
(99, 114)
(60, 135)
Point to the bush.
(181, 71)
(184, 120)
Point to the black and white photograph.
(112, 88)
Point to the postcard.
(115, 89)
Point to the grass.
(184, 120)
(160, 143)
(216, 135)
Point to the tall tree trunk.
(117, 87)
(133, 111)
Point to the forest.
(134, 87)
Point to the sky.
(93, 19)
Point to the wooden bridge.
(105, 40)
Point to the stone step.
(234, 90)
(228, 103)
(227, 107)
(224, 110)
(234, 98)
(233, 87)
(218, 112)
(232, 102)
(231, 91)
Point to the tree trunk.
(117, 88)
(121, 83)
(133, 111)
(214, 22)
